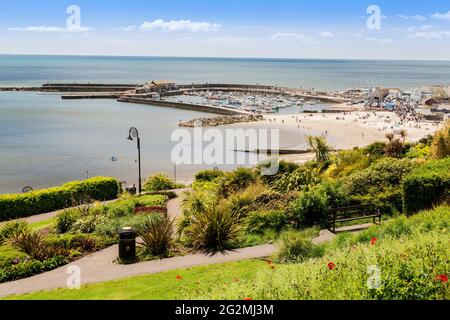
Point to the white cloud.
(326, 34)
(180, 25)
(431, 35)
(445, 15)
(403, 16)
(51, 29)
(379, 40)
(418, 17)
(294, 36)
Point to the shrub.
(209, 175)
(88, 223)
(33, 244)
(346, 162)
(48, 200)
(66, 219)
(284, 168)
(295, 247)
(12, 229)
(237, 180)
(259, 221)
(30, 267)
(426, 186)
(159, 182)
(312, 207)
(216, 230)
(440, 147)
(380, 175)
(375, 149)
(156, 235)
(8, 255)
(300, 179)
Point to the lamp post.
(134, 134)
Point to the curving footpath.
(99, 266)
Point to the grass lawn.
(161, 286)
(43, 224)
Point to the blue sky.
(232, 28)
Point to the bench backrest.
(353, 211)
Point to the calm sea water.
(320, 74)
(45, 141)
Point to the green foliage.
(33, 243)
(301, 179)
(426, 186)
(313, 206)
(159, 182)
(320, 147)
(156, 236)
(209, 175)
(12, 229)
(346, 162)
(66, 219)
(375, 150)
(411, 254)
(215, 230)
(237, 180)
(259, 221)
(419, 151)
(48, 200)
(295, 247)
(28, 268)
(382, 174)
(284, 168)
(9, 254)
(440, 147)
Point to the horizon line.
(216, 57)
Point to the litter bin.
(131, 190)
(127, 244)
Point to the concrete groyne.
(184, 106)
(87, 87)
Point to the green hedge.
(14, 206)
(426, 186)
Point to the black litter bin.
(127, 244)
(131, 190)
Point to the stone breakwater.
(220, 121)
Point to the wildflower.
(179, 278)
(373, 241)
(236, 279)
(248, 299)
(331, 265)
(269, 261)
(272, 267)
(442, 277)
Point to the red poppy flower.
(331, 265)
(179, 277)
(272, 267)
(269, 261)
(373, 241)
(248, 299)
(442, 277)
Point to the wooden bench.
(352, 213)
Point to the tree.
(320, 147)
(440, 148)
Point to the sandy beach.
(343, 131)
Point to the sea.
(46, 141)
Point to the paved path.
(99, 267)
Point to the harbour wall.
(184, 106)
